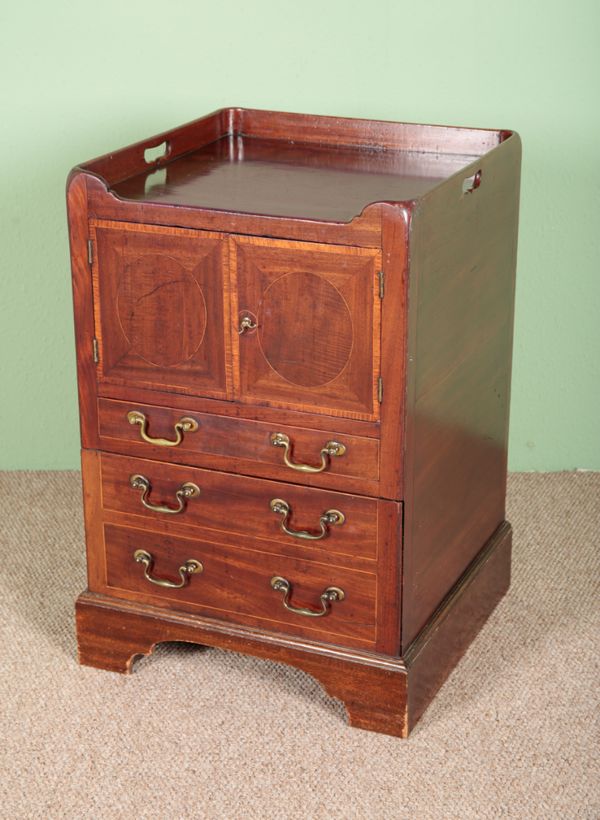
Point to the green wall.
(79, 79)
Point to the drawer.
(241, 510)
(236, 585)
(241, 446)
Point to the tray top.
(286, 178)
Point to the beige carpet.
(199, 733)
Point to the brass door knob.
(247, 323)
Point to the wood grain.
(380, 134)
(309, 129)
(128, 161)
(235, 585)
(216, 189)
(83, 311)
(92, 515)
(380, 693)
(456, 622)
(317, 308)
(290, 218)
(396, 226)
(269, 415)
(362, 231)
(462, 272)
(161, 299)
(238, 508)
(112, 633)
(277, 177)
(389, 577)
(241, 446)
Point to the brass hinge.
(90, 252)
(380, 389)
(95, 350)
(381, 276)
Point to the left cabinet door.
(161, 307)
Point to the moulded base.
(381, 693)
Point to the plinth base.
(381, 693)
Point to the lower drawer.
(237, 585)
(237, 509)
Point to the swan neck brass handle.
(329, 449)
(184, 425)
(190, 567)
(186, 491)
(327, 597)
(247, 323)
(330, 518)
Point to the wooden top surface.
(283, 178)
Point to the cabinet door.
(309, 317)
(161, 296)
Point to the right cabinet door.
(308, 326)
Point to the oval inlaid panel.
(162, 310)
(305, 329)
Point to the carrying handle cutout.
(153, 155)
(471, 183)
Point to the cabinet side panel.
(462, 267)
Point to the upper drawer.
(278, 451)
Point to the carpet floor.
(197, 733)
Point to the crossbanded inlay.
(305, 329)
(161, 310)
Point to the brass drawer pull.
(184, 425)
(327, 597)
(330, 518)
(330, 448)
(190, 567)
(187, 490)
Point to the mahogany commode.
(294, 342)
